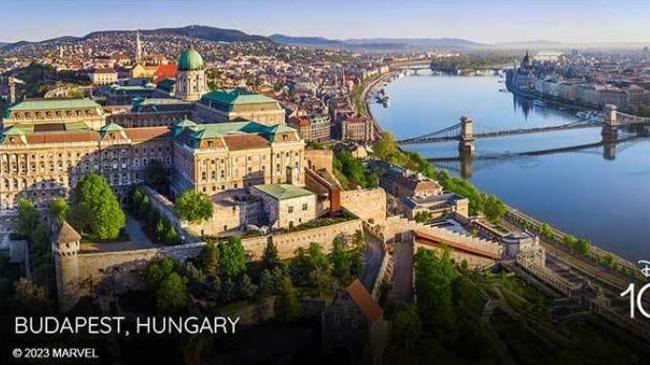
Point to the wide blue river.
(602, 195)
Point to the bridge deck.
(431, 138)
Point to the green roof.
(283, 191)
(223, 129)
(190, 60)
(236, 96)
(163, 101)
(50, 104)
(13, 131)
(111, 127)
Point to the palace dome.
(190, 60)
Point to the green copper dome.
(190, 60)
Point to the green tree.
(356, 263)
(30, 297)
(386, 148)
(170, 236)
(406, 325)
(59, 209)
(270, 257)
(246, 287)
(171, 296)
(583, 246)
(96, 208)
(232, 257)
(434, 275)
(494, 208)
(210, 259)
(227, 291)
(288, 304)
(28, 217)
(267, 286)
(194, 206)
(158, 270)
(423, 216)
(340, 259)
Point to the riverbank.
(364, 98)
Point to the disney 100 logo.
(636, 299)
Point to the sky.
(570, 21)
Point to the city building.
(227, 105)
(54, 114)
(286, 205)
(103, 76)
(216, 157)
(313, 128)
(401, 182)
(356, 128)
(190, 78)
(435, 205)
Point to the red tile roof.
(146, 133)
(165, 72)
(63, 137)
(245, 141)
(364, 301)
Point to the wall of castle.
(367, 204)
(119, 271)
(319, 159)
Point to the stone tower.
(190, 81)
(65, 248)
(138, 48)
(466, 140)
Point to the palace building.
(55, 114)
(48, 145)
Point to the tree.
(423, 216)
(158, 270)
(494, 208)
(340, 259)
(227, 291)
(386, 147)
(59, 209)
(210, 259)
(96, 208)
(356, 263)
(267, 287)
(434, 275)
(172, 294)
(583, 246)
(270, 257)
(405, 325)
(359, 239)
(28, 217)
(170, 236)
(289, 306)
(30, 297)
(246, 287)
(232, 257)
(194, 206)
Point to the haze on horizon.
(496, 21)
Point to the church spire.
(138, 48)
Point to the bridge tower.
(466, 139)
(611, 117)
(611, 124)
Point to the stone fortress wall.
(367, 204)
(118, 271)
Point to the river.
(601, 195)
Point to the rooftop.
(236, 96)
(283, 191)
(49, 104)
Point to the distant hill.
(378, 43)
(193, 31)
(196, 31)
(305, 41)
